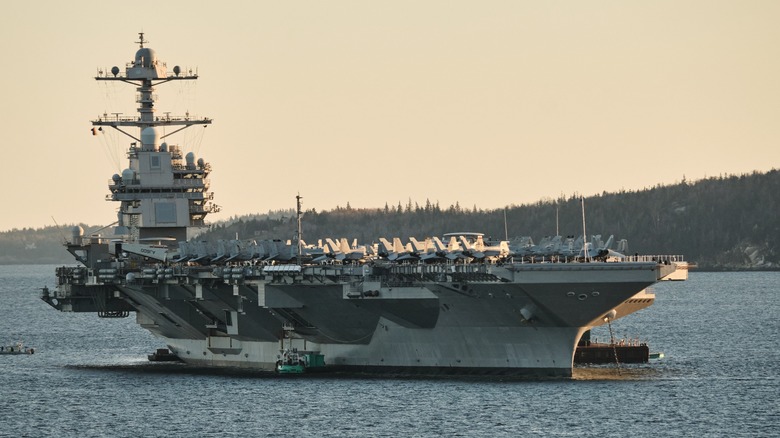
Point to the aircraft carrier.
(450, 304)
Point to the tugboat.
(292, 361)
(18, 348)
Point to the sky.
(373, 102)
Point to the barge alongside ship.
(454, 306)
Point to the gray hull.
(478, 318)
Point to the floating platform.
(595, 353)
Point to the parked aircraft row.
(452, 248)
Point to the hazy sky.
(367, 102)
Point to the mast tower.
(160, 194)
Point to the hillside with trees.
(727, 222)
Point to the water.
(89, 377)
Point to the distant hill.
(35, 246)
(722, 223)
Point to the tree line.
(725, 222)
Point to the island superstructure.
(159, 195)
(455, 304)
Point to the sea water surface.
(89, 377)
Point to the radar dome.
(115, 70)
(145, 57)
(128, 175)
(190, 157)
(77, 231)
(176, 70)
(150, 139)
(201, 163)
(164, 147)
(116, 178)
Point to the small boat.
(656, 356)
(18, 348)
(163, 355)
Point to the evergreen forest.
(719, 223)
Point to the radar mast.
(162, 193)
